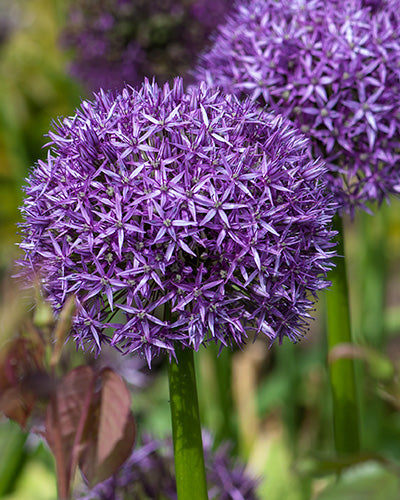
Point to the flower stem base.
(342, 371)
(186, 429)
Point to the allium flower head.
(149, 473)
(178, 217)
(333, 68)
(117, 41)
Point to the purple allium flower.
(333, 68)
(118, 41)
(149, 473)
(178, 217)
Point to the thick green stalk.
(341, 371)
(186, 430)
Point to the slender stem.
(287, 361)
(372, 247)
(186, 430)
(341, 371)
(374, 241)
(226, 426)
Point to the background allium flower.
(333, 68)
(149, 473)
(178, 216)
(122, 41)
(133, 369)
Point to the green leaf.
(62, 330)
(370, 481)
(12, 441)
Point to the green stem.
(287, 361)
(374, 241)
(341, 371)
(186, 430)
(226, 429)
(372, 278)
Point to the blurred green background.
(282, 394)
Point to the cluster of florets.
(333, 68)
(178, 217)
(122, 41)
(149, 473)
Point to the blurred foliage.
(34, 89)
(370, 481)
(36, 482)
(282, 394)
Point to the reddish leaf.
(65, 421)
(112, 430)
(17, 404)
(21, 362)
(19, 358)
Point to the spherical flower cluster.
(117, 41)
(149, 473)
(178, 216)
(333, 68)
